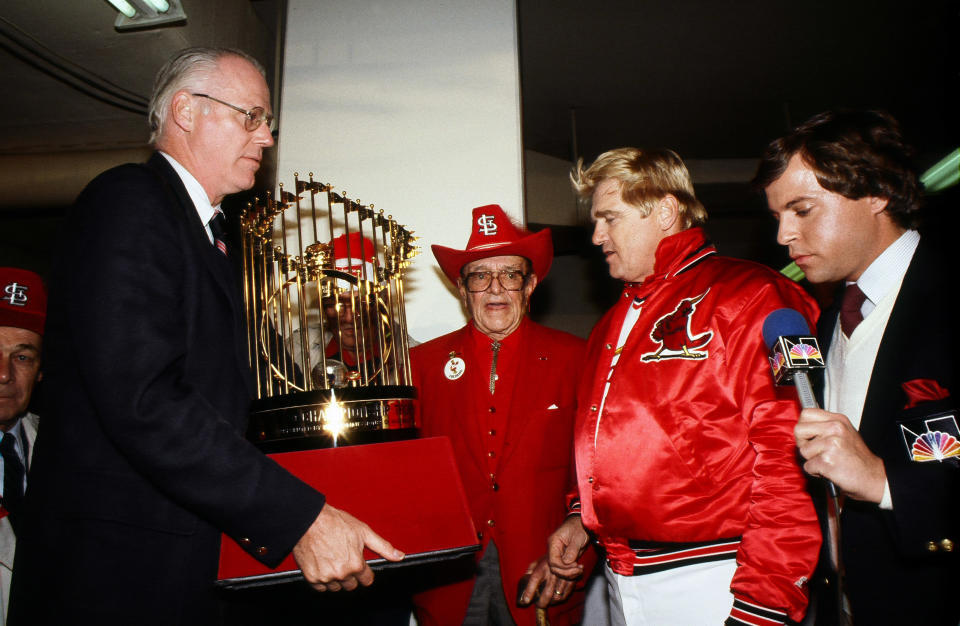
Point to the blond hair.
(645, 176)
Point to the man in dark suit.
(143, 462)
(846, 197)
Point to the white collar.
(888, 269)
(201, 202)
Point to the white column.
(413, 106)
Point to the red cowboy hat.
(493, 234)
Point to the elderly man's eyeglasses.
(510, 280)
(253, 118)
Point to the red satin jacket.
(693, 443)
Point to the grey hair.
(187, 69)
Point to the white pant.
(692, 595)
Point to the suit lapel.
(214, 262)
(526, 398)
(463, 396)
(896, 346)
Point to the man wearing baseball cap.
(23, 309)
(346, 341)
(501, 388)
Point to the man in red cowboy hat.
(686, 463)
(502, 389)
(23, 310)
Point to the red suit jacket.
(535, 468)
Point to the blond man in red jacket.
(686, 461)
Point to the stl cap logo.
(487, 226)
(16, 294)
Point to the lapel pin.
(454, 367)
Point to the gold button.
(491, 523)
(593, 407)
(245, 541)
(609, 347)
(931, 546)
(491, 454)
(261, 550)
(947, 545)
(590, 480)
(493, 409)
(493, 432)
(495, 487)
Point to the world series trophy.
(326, 323)
(327, 341)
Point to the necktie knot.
(850, 315)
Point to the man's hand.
(553, 591)
(565, 546)
(834, 450)
(330, 553)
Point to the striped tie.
(13, 472)
(218, 230)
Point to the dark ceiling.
(718, 80)
(713, 80)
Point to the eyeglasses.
(254, 117)
(510, 280)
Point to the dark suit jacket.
(893, 575)
(142, 460)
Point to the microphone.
(793, 352)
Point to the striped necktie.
(218, 230)
(13, 474)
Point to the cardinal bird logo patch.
(674, 332)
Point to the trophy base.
(332, 418)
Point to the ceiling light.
(124, 7)
(139, 14)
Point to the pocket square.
(921, 390)
(552, 407)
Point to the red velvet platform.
(409, 492)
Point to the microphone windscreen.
(783, 322)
